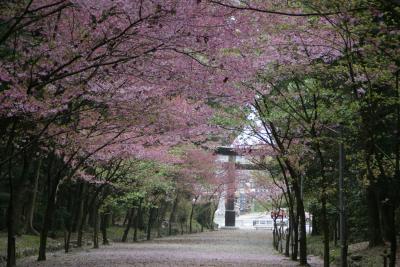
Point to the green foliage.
(203, 213)
(147, 181)
(261, 206)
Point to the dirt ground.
(219, 248)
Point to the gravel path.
(219, 248)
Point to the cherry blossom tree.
(200, 175)
(88, 72)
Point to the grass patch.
(115, 234)
(370, 257)
(27, 245)
(315, 246)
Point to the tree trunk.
(172, 215)
(281, 238)
(302, 228)
(128, 224)
(67, 241)
(88, 203)
(375, 234)
(293, 227)
(47, 222)
(11, 259)
(82, 222)
(75, 210)
(30, 229)
(127, 216)
(103, 226)
(160, 216)
(52, 185)
(213, 208)
(81, 202)
(191, 216)
(314, 223)
(295, 243)
(138, 216)
(142, 224)
(96, 227)
(288, 235)
(325, 227)
(150, 222)
(388, 215)
(292, 219)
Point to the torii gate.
(233, 165)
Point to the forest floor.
(367, 257)
(218, 248)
